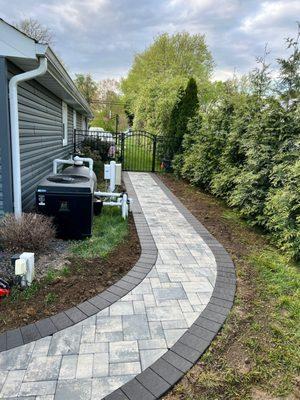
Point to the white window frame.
(65, 123)
(74, 119)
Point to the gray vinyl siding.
(41, 135)
(70, 127)
(1, 188)
(79, 122)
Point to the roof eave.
(66, 81)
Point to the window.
(74, 119)
(65, 123)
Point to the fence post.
(154, 153)
(74, 140)
(122, 149)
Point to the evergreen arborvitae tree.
(184, 109)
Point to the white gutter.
(14, 130)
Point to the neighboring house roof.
(24, 52)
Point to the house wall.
(79, 122)
(5, 152)
(1, 191)
(41, 134)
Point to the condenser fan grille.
(67, 179)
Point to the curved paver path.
(145, 341)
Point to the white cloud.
(102, 36)
(271, 16)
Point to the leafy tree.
(152, 85)
(108, 106)
(88, 87)
(32, 28)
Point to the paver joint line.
(138, 338)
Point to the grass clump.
(50, 298)
(54, 274)
(109, 230)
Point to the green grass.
(138, 155)
(109, 230)
(26, 294)
(54, 274)
(275, 344)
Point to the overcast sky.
(102, 36)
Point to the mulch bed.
(87, 278)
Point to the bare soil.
(85, 279)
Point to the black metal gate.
(139, 151)
(136, 150)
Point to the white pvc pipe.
(88, 160)
(14, 130)
(107, 194)
(112, 181)
(124, 206)
(58, 161)
(112, 203)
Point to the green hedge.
(245, 148)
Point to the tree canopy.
(87, 86)
(152, 85)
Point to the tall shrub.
(245, 148)
(184, 109)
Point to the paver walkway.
(96, 356)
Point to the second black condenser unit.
(68, 197)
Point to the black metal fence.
(136, 150)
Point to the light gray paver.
(68, 367)
(12, 384)
(44, 368)
(74, 390)
(37, 388)
(136, 327)
(128, 368)
(123, 351)
(99, 354)
(101, 387)
(100, 365)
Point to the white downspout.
(14, 130)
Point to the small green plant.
(65, 271)
(51, 276)
(30, 291)
(54, 274)
(50, 298)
